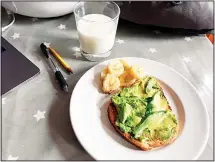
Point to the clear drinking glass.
(96, 24)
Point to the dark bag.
(173, 14)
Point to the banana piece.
(136, 72)
(111, 83)
(116, 68)
(125, 64)
(126, 79)
(104, 73)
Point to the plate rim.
(162, 64)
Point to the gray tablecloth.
(35, 115)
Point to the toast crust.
(112, 115)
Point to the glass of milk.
(96, 24)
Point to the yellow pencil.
(63, 63)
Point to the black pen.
(56, 70)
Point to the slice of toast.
(112, 115)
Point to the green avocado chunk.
(136, 90)
(133, 121)
(152, 87)
(159, 125)
(158, 103)
(145, 88)
(123, 127)
(138, 104)
(124, 113)
(129, 123)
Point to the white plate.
(88, 113)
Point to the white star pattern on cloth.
(3, 101)
(120, 41)
(77, 54)
(34, 19)
(186, 59)
(47, 44)
(10, 157)
(76, 49)
(152, 50)
(16, 35)
(188, 39)
(61, 26)
(157, 32)
(40, 115)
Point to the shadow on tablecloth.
(62, 132)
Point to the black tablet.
(15, 67)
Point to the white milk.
(96, 33)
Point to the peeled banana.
(119, 74)
(125, 64)
(104, 73)
(126, 79)
(116, 68)
(136, 72)
(111, 83)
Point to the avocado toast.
(142, 115)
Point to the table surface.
(35, 115)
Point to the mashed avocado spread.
(143, 111)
